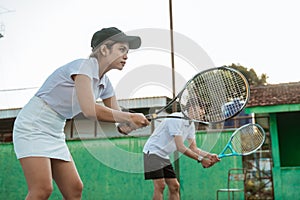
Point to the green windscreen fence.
(113, 169)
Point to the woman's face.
(117, 55)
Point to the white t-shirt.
(58, 91)
(162, 143)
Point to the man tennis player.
(168, 137)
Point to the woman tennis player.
(38, 136)
(168, 137)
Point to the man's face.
(196, 112)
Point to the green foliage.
(251, 75)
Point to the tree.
(251, 75)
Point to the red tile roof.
(275, 94)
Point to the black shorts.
(156, 167)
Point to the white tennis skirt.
(39, 132)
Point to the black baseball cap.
(117, 35)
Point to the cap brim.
(133, 41)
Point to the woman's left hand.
(124, 128)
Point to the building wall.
(285, 135)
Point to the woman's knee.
(40, 192)
(77, 189)
(79, 186)
(75, 192)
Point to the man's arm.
(192, 154)
(193, 146)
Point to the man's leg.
(159, 186)
(173, 186)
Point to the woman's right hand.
(138, 120)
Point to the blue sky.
(41, 35)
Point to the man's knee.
(160, 186)
(174, 187)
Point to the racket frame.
(155, 115)
(229, 145)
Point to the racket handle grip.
(221, 155)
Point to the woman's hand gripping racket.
(244, 141)
(222, 92)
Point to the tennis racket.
(244, 141)
(221, 92)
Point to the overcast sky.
(42, 35)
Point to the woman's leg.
(37, 171)
(67, 179)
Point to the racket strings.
(201, 86)
(216, 93)
(221, 92)
(247, 139)
(234, 83)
